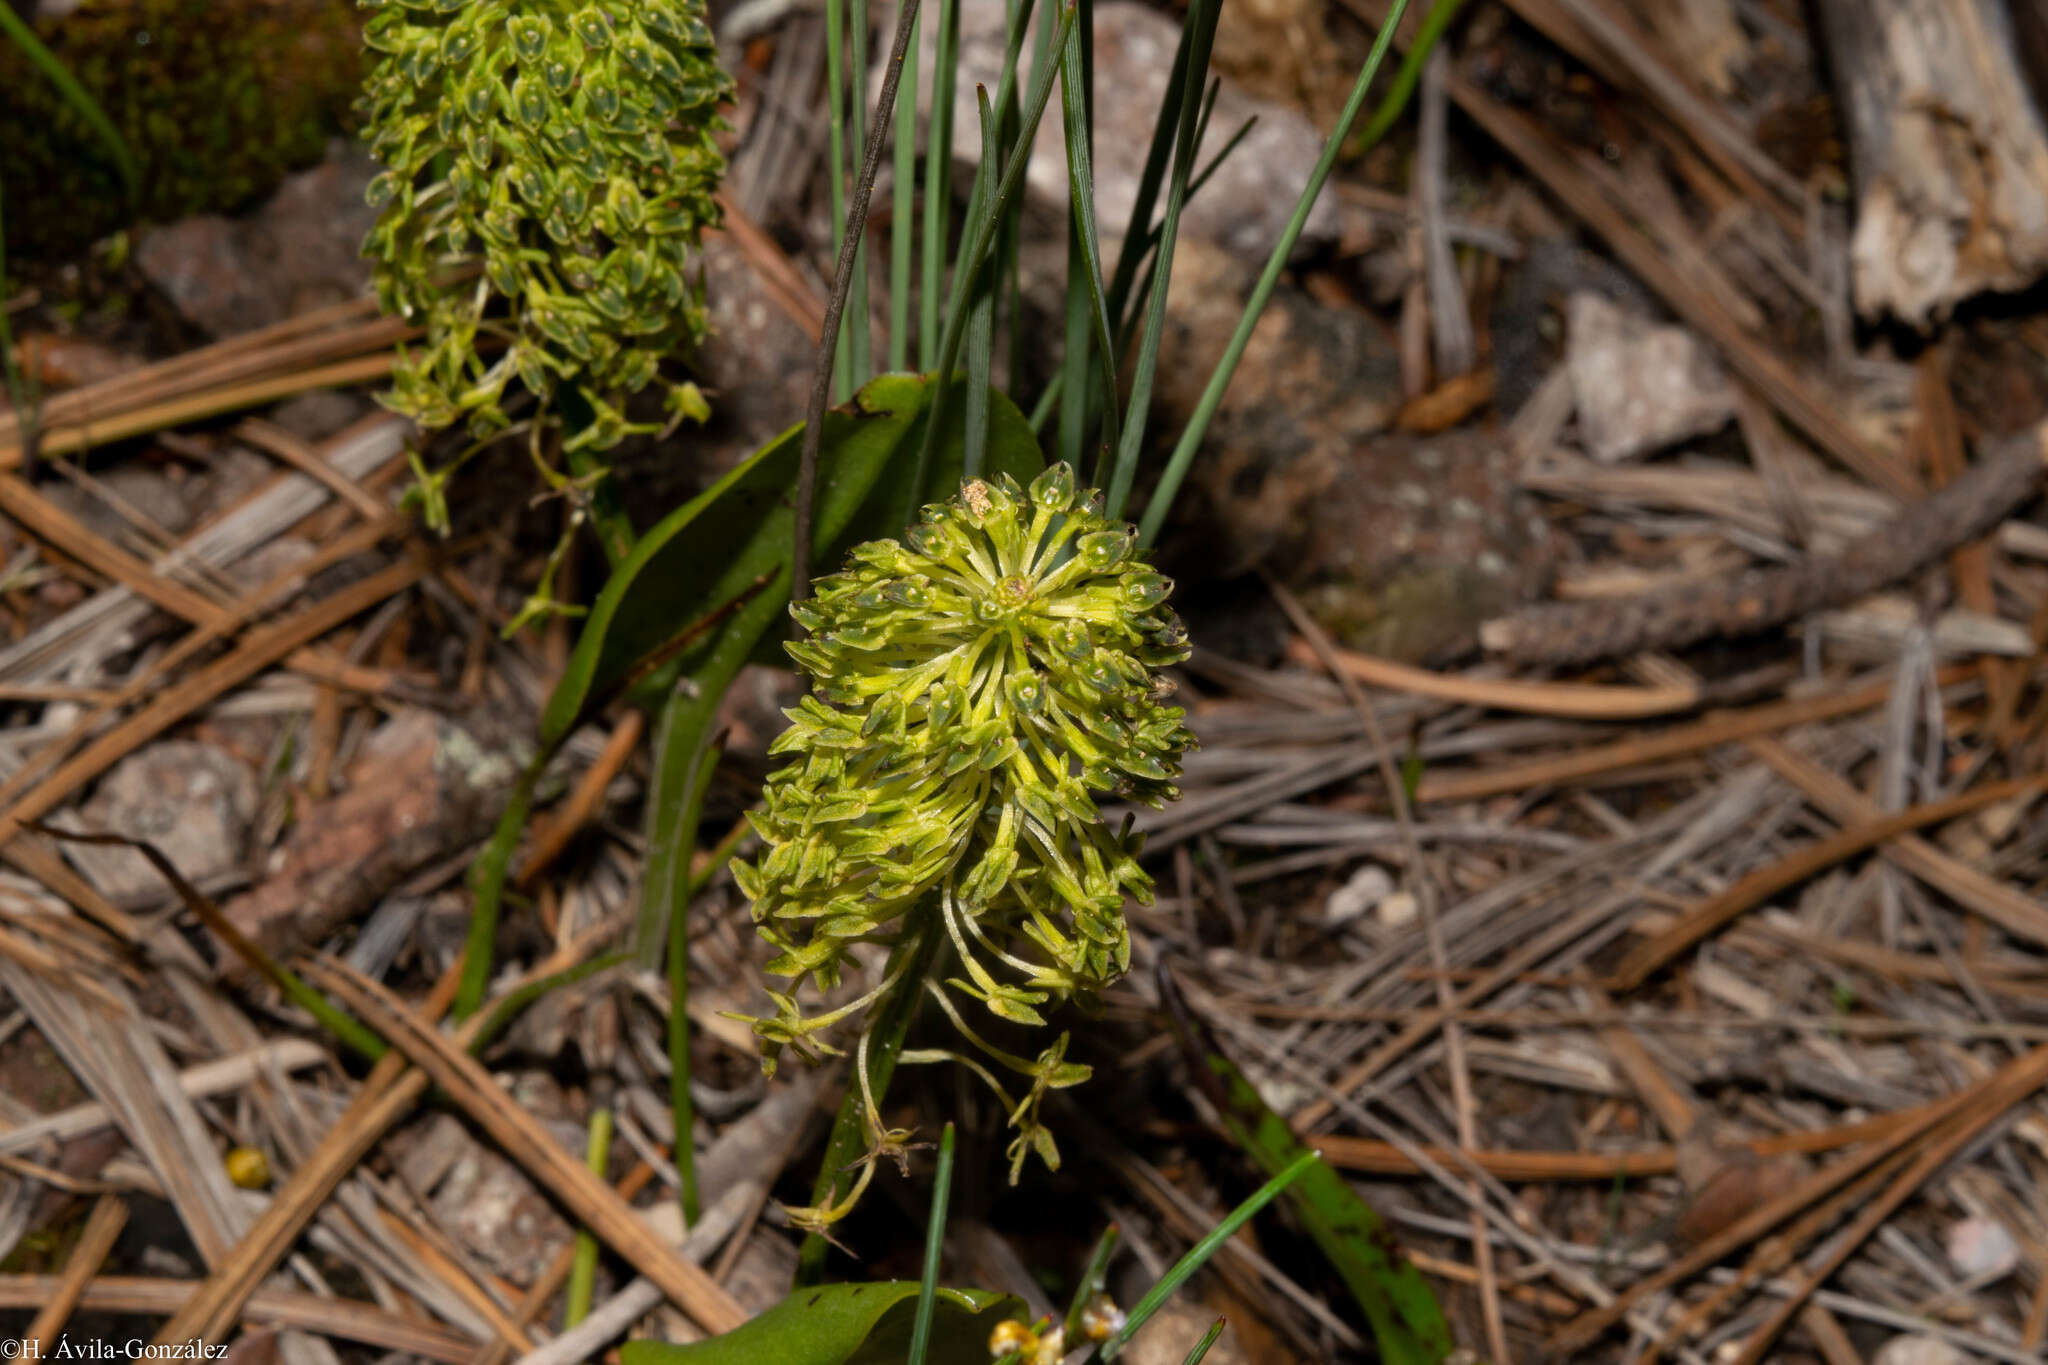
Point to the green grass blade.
(1201, 29)
(1201, 1350)
(903, 204)
(1427, 33)
(1091, 1280)
(1408, 1325)
(506, 1008)
(1009, 248)
(1202, 176)
(835, 156)
(583, 1264)
(1199, 1254)
(1085, 245)
(682, 1108)
(13, 27)
(980, 236)
(938, 185)
(934, 1244)
(27, 411)
(1212, 396)
(1138, 230)
(336, 1020)
(487, 883)
(981, 318)
(1041, 411)
(1076, 382)
(860, 335)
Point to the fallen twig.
(1566, 634)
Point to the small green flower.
(562, 151)
(974, 688)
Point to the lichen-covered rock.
(217, 100)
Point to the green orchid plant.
(979, 681)
(550, 167)
(974, 686)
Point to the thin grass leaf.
(902, 239)
(1408, 1325)
(487, 882)
(1077, 109)
(506, 1008)
(934, 1244)
(1091, 1280)
(1212, 395)
(683, 742)
(836, 96)
(1077, 383)
(980, 236)
(1137, 232)
(1041, 411)
(1009, 249)
(1427, 34)
(583, 1263)
(1195, 1356)
(1150, 244)
(811, 436)
(860, 349)
(682, 1108)
(27, 410)
(938, 181)
(1076, 379)
(1199, 1254)
(349, 1030)
(981, 319)
(16, 29)
(1201, 29)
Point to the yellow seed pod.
(248, 1168)
(1012, 1337)
(1101, 1319)
(1052, 1347)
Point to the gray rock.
(193, 801)
(1918, 1350)
(1639, 387)
(494, 1210)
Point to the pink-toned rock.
(298, 252)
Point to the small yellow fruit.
(1012, 1337)
(248, 1168)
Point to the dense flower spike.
(973, 688)
(564, 149)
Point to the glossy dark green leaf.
(718, 548)
(846, 1324)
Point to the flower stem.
(887, 1027)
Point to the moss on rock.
(218, 99)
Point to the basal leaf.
(846, 1324)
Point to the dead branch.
(1572, 633)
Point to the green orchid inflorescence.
(549, 168)
(973, 688)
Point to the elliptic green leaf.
(846, 1324)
